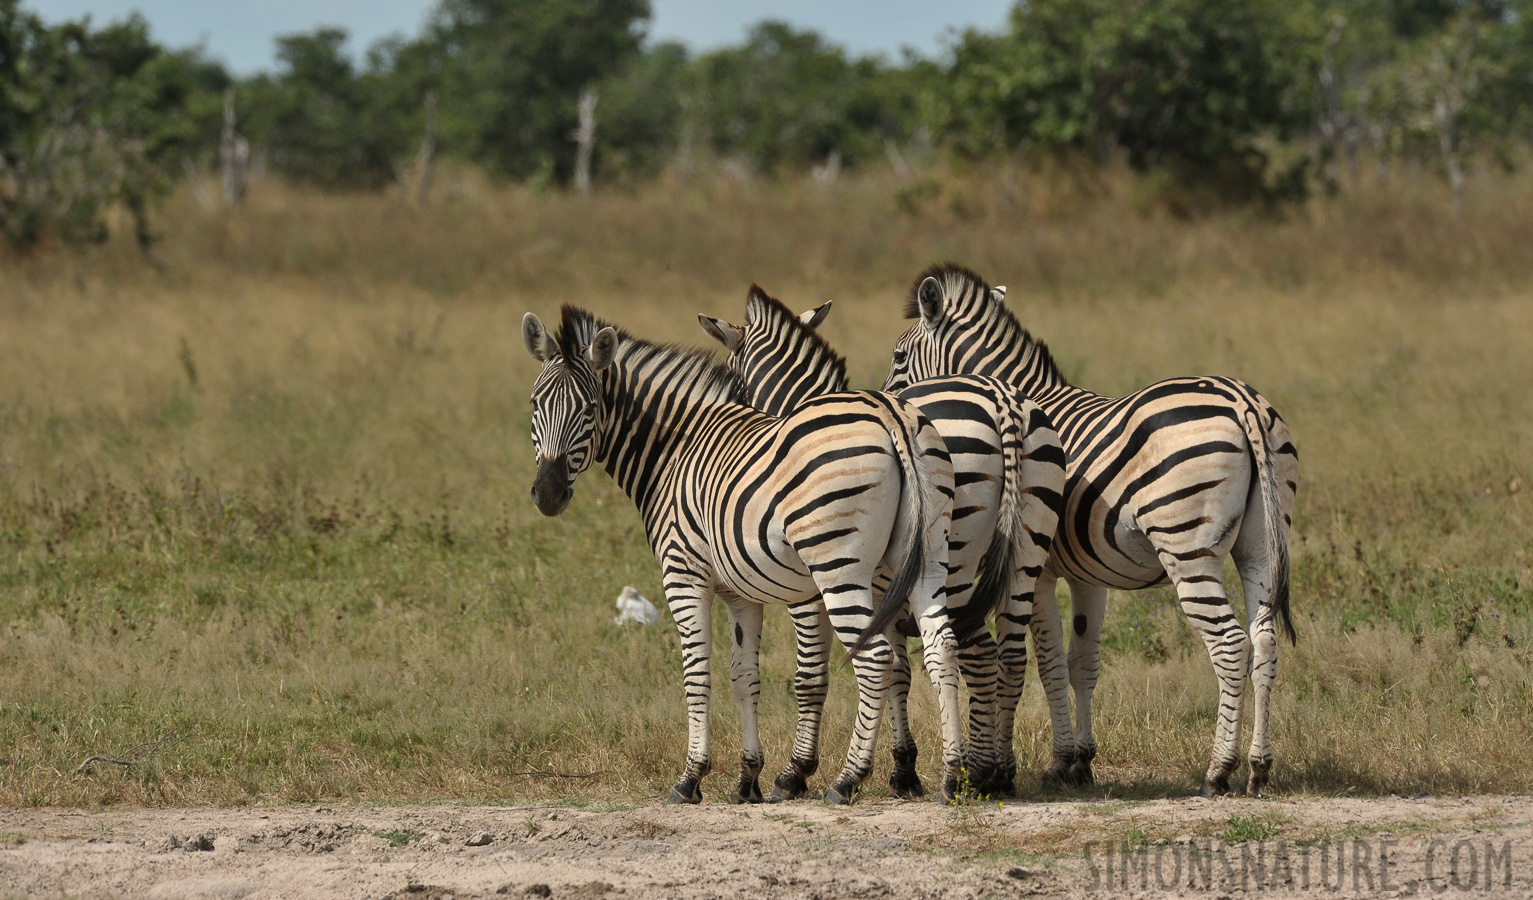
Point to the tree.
(90, 118)
(318, 120)
(510, 73)
(1191, 87)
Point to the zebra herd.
(974, 481)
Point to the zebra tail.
(911, 529)
(1034, 474)
(1277, 543)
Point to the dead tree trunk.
(233, 156)
(427, 155)
(585, 141)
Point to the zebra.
(755, 509)
(1160, 484)
(1009, 470)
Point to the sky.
(241, 32)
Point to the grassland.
(263, 499)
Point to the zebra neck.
(651, 425)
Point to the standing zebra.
(1161, 486)
(756, 510)
(1009, 472)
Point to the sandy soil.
(878, 848)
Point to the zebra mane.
(799, 335)
(704, 378)
(974, 299)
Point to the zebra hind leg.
(1200, 587)
(810, 683)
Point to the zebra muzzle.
(551, 489)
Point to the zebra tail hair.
(1277, 544)
(1034, 474)
(911, 528)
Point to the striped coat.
(756, 510)
(1009, 474)
(1162, 485)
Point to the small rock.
(479, 839)
(539, 890)
(1018, 873)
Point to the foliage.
(1191, 86)
(510, 74)
(789, 98)
(317, 118)
(90, 118)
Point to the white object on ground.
(632, 607)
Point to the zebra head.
(566, 402)
(950, 305)
(779, 355)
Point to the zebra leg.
(979, 664)
(940, 653)
(745, 678)
(1200, 587)
(1054, 673)
(903, 780)
(811, 681)
(849, 615)
(1011, 624)
(692, 609)
(1088, 604)
(1256, 577)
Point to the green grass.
(248, 503)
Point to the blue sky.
(241, 33)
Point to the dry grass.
(268, 496)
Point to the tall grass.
(266, 496)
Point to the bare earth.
(878, 848)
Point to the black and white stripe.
(1009, 473)
(755, 509)
(1162, 485)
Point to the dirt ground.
(879, 848)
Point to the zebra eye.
(899, 357)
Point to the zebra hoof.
(685, 793)
(950, 790)
(788, 786)
(1256, 785)
(1057, 776)
(999, 787)
(841, 793)
(906, 784)
(748, 791)
(1215, 787)
(1080, 774)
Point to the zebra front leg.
(904, 781)
(1088, 605)
(691, 606)
(745, 678)
(811, 680)
(1054, 674)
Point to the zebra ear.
(929, 296)
(535, 336)
(731, 336)
(998, 293)
(815, 317)
(603, 348)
